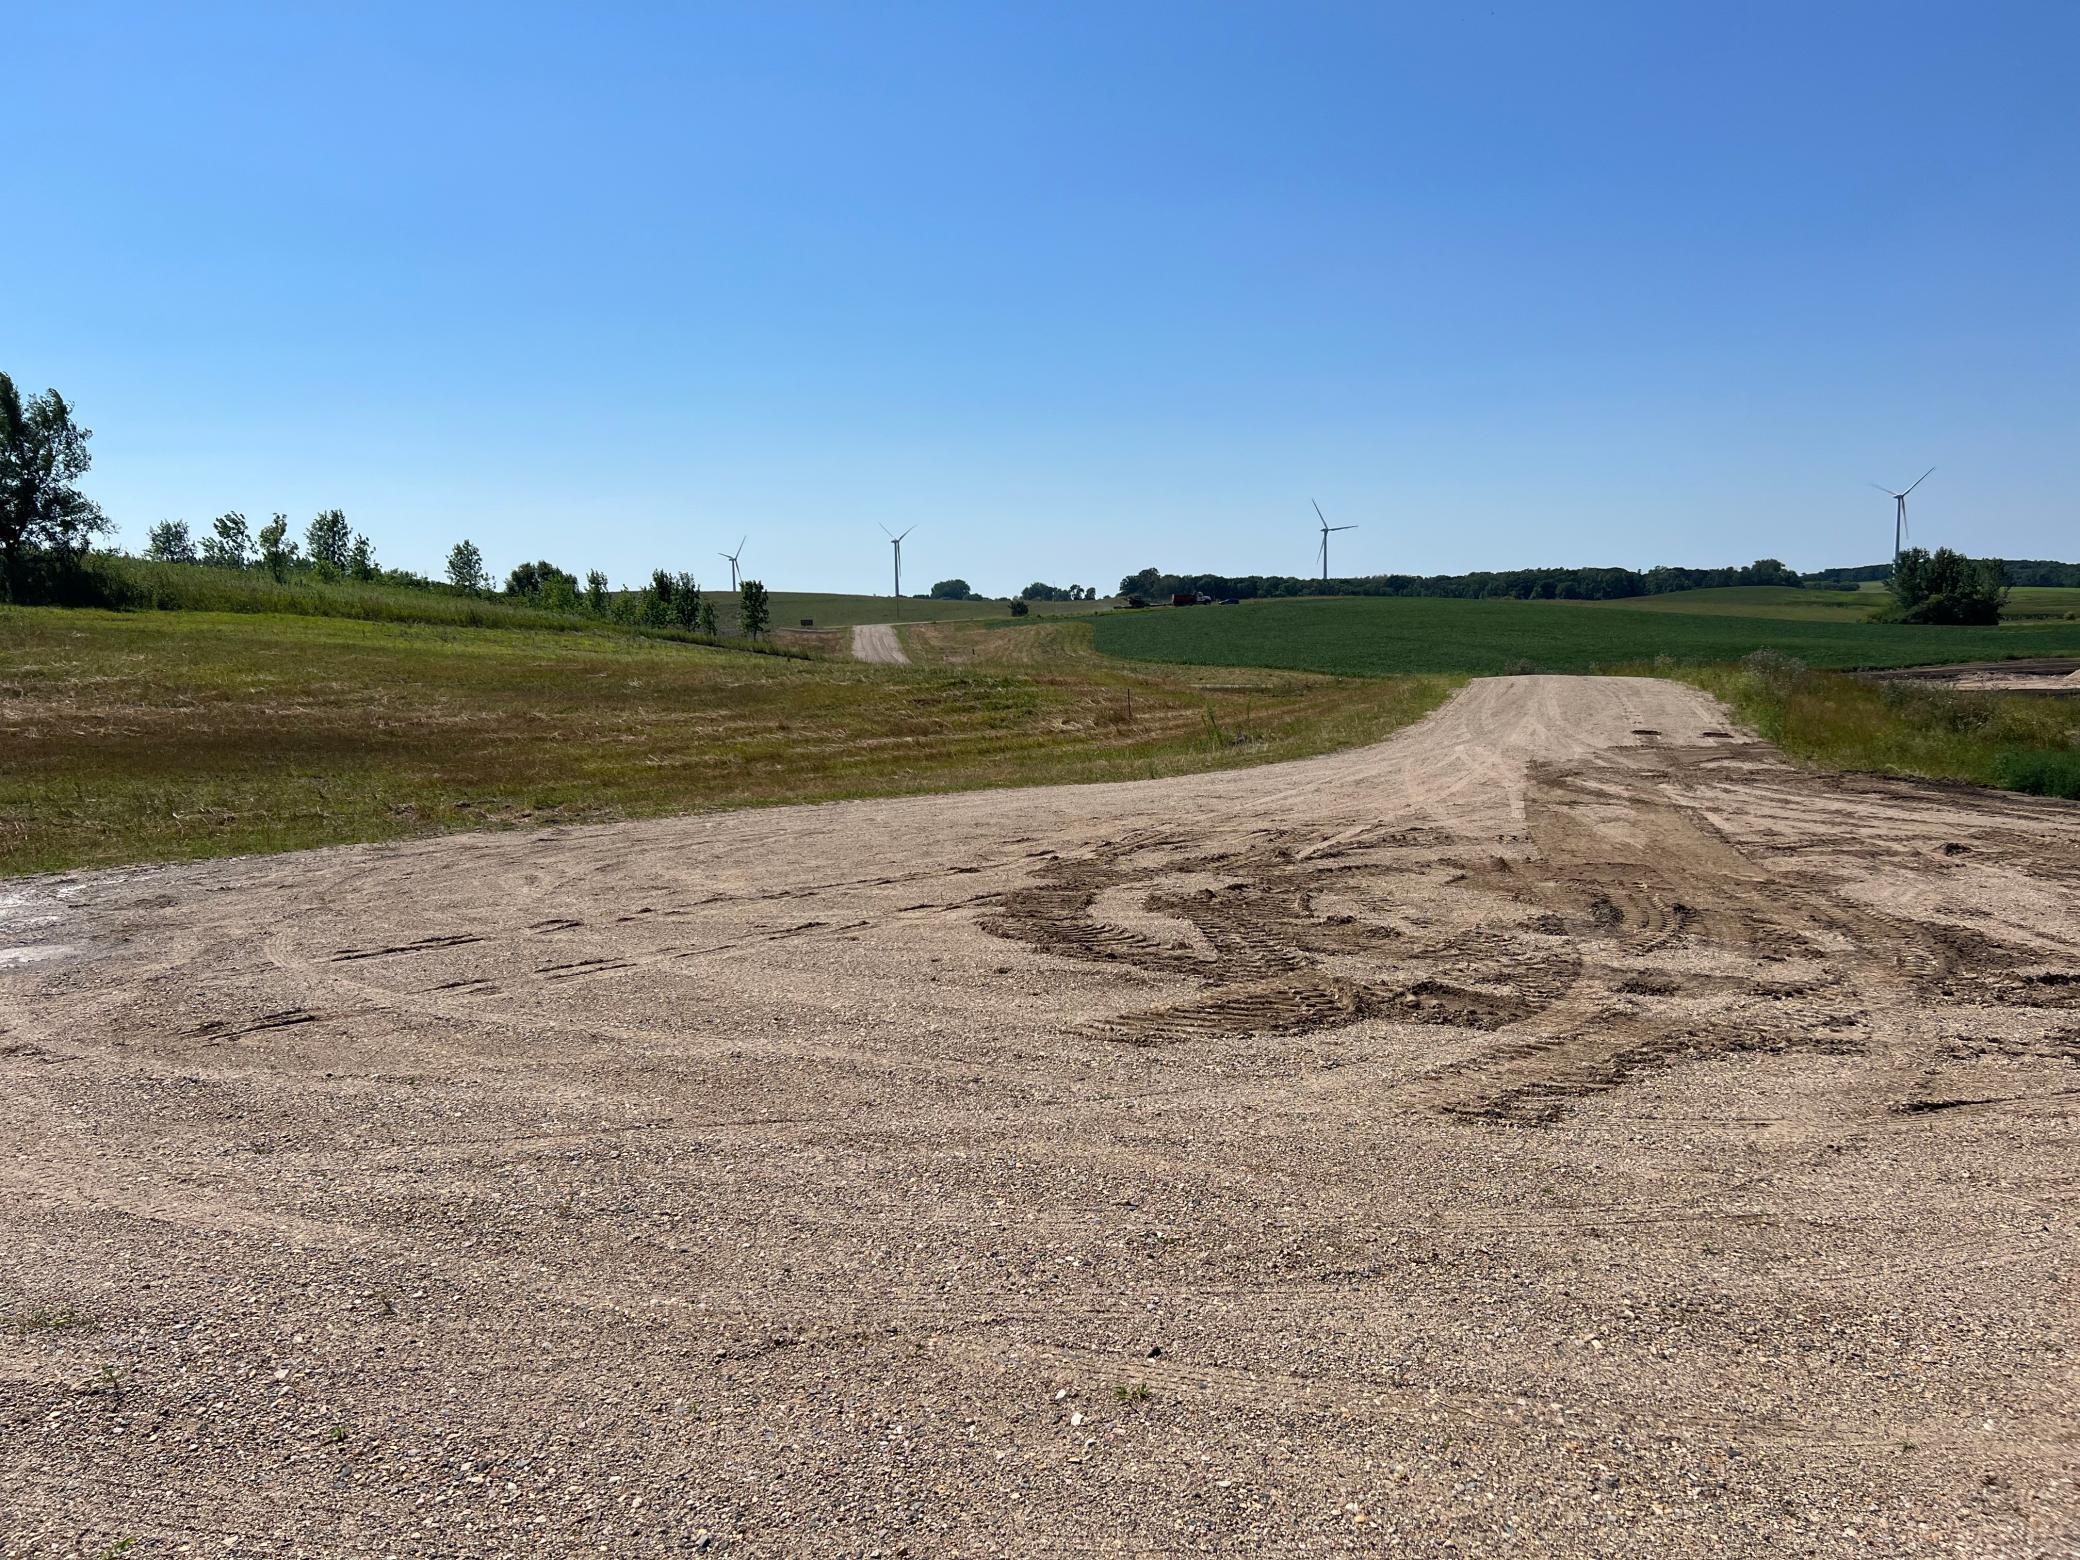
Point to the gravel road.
(1564, 1128)
(878, 642)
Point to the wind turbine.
(898, 543)
(1899, 516)
(733, 557)
(1326, 529)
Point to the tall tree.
(43, 452)
(169, 542)
(754, 610)
(329, 542)
(466, 567)
(277, 552)
(361, 558)
(230, 544)
(596, 592)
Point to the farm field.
(1563, 1127)
(152, 736)
(835, 611)
(1380, 636)
(1844, 606)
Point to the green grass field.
(153, 736)
(1380, 636)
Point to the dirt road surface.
(1562, 1129)
(878, 642)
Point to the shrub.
(1019, 608)
(2039, 771)
(1773, 667)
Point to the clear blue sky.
(1072, 288)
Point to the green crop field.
(1761, 601)
(834, 611)
(1823, 606)
(1374, 636)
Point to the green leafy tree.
(543, 583)
(1945, 587)
(673, 600)
(361, 558)
(229, 544)
(277, 552)
(43, 453)
(169, 542)
(754, 610)
(1146, 584)
(595, 592)
(466, 567)
(952, 590)
(329, 542)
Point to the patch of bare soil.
(2040, 674)
(1562, 1129)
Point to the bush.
(1773, 667)
(2039, 771)
(1019, 608)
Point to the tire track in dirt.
(1558, 1073)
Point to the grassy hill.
(1376, 636)
(171, 587)
(152, 736)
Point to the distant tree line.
(2014, 571)
(960, 590)
(1591, 584)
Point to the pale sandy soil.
(1562, 1129)
(2043, 674)
(878, 642)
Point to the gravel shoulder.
(1563, 1128)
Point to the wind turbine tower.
(1899, 513)
(897, 542)
(733, 557)
(1327, 529)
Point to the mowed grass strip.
(1369, 636)
(134, 737)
